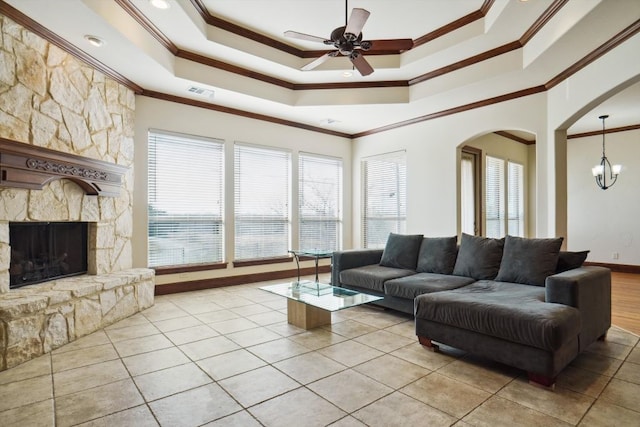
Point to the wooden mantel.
(28, 166)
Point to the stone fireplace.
(73, 163)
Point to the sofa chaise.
(521, 302)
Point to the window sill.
(189, 268)
(261, 261)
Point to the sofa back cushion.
(401, 251)
(437, 255)
(529, 261)
(570, 260)
(479, 257)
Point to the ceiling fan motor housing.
(346, 42)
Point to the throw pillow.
(479, 257)
(570, 260)
(437, 255)
(529, 261)
(401, 251)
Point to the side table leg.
(306, 316)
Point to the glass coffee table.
(309, 304)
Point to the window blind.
(319, 202)
(262, 195)
(467, 195)
(515, 199)
(385, 194)
(185, 199)
(495, 204)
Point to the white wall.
(605, 221)
(157, 114)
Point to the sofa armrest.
(589, 290)
(344, 260)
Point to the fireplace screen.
(42, 251)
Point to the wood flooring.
(625, 301)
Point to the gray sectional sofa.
(518, 301)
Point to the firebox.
(42, 251)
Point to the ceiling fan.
(348, 42)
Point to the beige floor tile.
(348, 421)
(142, 345)
(239, 419)
(39, 414)
(191, 334)
(258, 385)
(415, 353)
(163, 311)
(233, 325)
(392, 371)
(406, 329)
(158, 384)
(499, 412)
(561, 403)
(350, 390)
(155, 361)
(249, 310)
(385, 341)
(230, 364)
(622, 393)
(82, 357)
(198, 307)
(629, 372)
(610, 349)
(398, 410)
(253, 336)
(140, 416)
(446, 394)
(607, 414)
(634, 356)
(25, 392)
(381, 320)
(208, 347)
(285, 329)
(621, 336)
(232, 301)
(177, 323)
(130, 332)
(104, 400)
(350, 353)
(268, 318)
(135, 320)
(597, 363)
(216, 316)
(91, 340)
(85, 377)
(280, 349)
(480, 373)
(350, 328)
(194, 407)
(309, 367)
(581, 381)
(317, 338)
(292, 407)
(275, 304)
(31, 369)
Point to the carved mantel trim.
(28, 166)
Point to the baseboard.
(217, 282)
(618, 268)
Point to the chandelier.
(605, 174)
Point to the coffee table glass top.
(327, 297)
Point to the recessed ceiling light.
(94, 40)
(347, 74)
(160, 4)
(329, 121)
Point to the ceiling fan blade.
(302, 36)
(361, 64)
(391, 45)
(356, 22)
(313, 64)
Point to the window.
(470, 202)
(504, 215)
(185, 201)
(262, 195)
(320, 202)
(385, 194)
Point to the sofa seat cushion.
(509, 311)
(422, 283)
(372, 276)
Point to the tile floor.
(227, 357)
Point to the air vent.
(207, 93)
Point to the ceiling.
(464, 52)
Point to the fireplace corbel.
(28, 166)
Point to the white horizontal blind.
(262, 195)
(515, 199)
(385, 198)
(185, 200)
(495, 206)
(320, 202)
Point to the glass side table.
(316, 254)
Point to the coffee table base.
(306, 316)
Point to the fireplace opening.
(42, 251)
